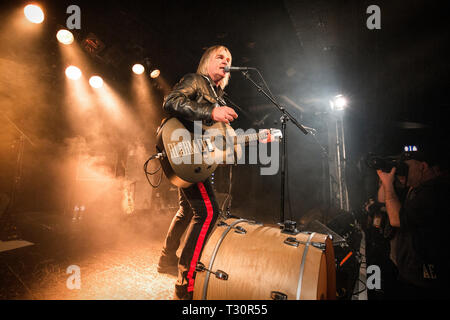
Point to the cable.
(365, 288)
(155, 156)
(146, 164)
(265, 84)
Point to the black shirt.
(422, 239)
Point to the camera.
(387, 163)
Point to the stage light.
(64, 36)
(96, 82)
(138, 68)
(33, 13)
(73, 73)
(155, 73)
(339, 102)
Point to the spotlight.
(138, 68)
(64, 36)
(339, 102)
(96, 82)
(155, 73)
(73, 73)
(34, 13)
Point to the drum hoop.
(302, 265)
(213, 256)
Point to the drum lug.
(237, 229)
(222, 275)
(240, 230)
(222, 224)
(276, 295)
(291, 241)
(200, 267)
(289, 227)
(319, 245)
(255, 223)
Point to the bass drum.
(244, 260)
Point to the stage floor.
(117, 258)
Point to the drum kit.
(246, 260)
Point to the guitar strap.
(220, 100)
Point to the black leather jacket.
(192, 98)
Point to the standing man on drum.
(422, 220)
(196, 97)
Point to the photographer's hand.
(380, 193)
(392, 203)
(387, 179)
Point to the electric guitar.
(187, 158)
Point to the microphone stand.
(288, 226)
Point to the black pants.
(199, 209)
(178, 226)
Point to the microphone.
(312, 130)
(228, 68)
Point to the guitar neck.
(245, 139)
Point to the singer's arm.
(183, 100)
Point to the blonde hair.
(204, 63)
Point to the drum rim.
(302, 265)
(214, 254)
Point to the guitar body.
(190, 159)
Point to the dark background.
(308, 51)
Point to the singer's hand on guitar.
(265, 136)
(224, 114)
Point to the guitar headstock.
(270, 135)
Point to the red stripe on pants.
(201, 237)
